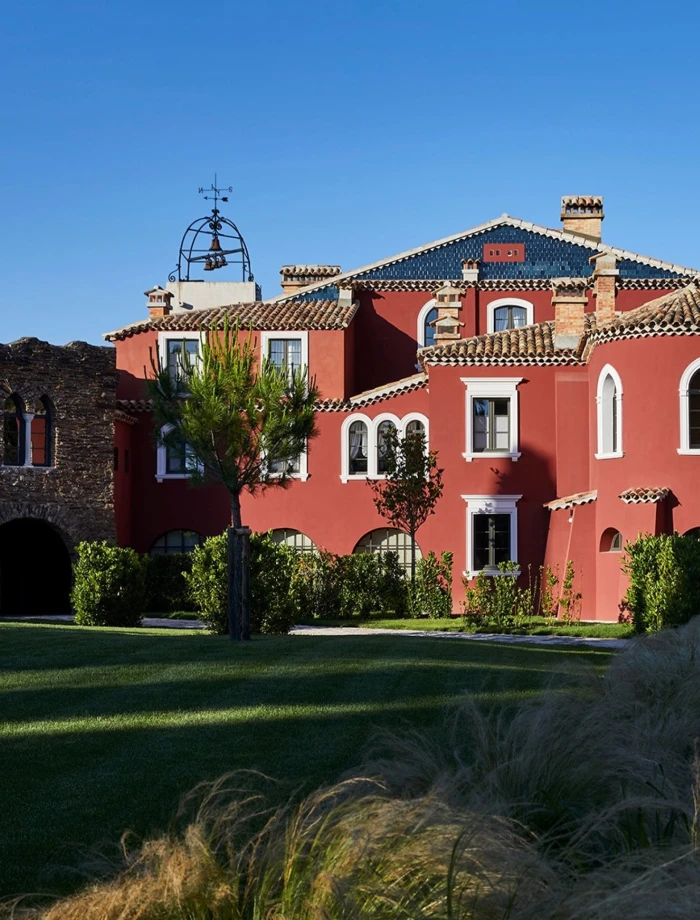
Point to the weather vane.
(214, 241)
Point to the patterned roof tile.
(644, 495)
(525, 345)
(570, 501)
(291, 314)
(677, 313)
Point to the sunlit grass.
(104, 730)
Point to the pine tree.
(239, 423)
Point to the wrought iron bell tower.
(212, 242)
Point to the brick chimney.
(583, 215)
(448, 300)
(158, 301)
(569, 301)
(295, 277)
(605, 272)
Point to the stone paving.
(347, 631)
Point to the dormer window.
(508, 313)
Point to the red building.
(557, 377)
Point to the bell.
(215, 245)
(220, 262)
(209, 265)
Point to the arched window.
(611, 541)
(294, 539)
(41, 434)
(384, 430)
(13, 429)
(176, 541)
(389, 540)
(428, 328)
(609, 405)
(508, 313)
(694, 532)
(425, 333)
(415, 427)
(690, 409)
(358, 448)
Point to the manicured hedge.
(109, 586)
(167, 587)
(664, 575)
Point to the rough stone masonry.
(76, 492)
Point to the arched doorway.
(35, 569)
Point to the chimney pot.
(583, 215)
(569, 300)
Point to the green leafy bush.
(208, 584)
(316, 584)
(167, 587)
(372, 583)
(272, 609)
(110, 585)
(431, 593)
(664, 581)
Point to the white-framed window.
(297, 467)
(492, 532)
(174, 461)
(609, 414)
(689, 392)
(363, 442)
(425, 333)
(288, 350)
(177, 349)
(295, 539)
(509, 313)
(491, 417)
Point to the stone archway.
(35, 569)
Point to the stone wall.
(76, 493)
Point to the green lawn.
(103, 730)
(537, 626)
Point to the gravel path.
(347, 631)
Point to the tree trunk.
(234, 571)
(412, 533)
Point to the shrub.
(271, 567)
(316, 584)
(431, 593)
(207, 582)
(110, 585)
(664, 581)
(272, 610)
(167, 587)
(372, 583)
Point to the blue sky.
(348, 132)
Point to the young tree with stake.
(413, 485)
(238, 422)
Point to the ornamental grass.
(580, 804)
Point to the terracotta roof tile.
(677, 313)
(291, 314)
(525, 345)
(643, 495)
(569, 501)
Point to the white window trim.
(492, 388)
(372, 428)
(508, 302)
(608, 370)
(683, 388)
(303, 337)
(303, 473)
(165, 337)
(161, 461)
(491, 504)
(420, 326)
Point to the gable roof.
(289, 315)
(559, 253)
(677, 313)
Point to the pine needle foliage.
(413, 485)
(240, 419)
